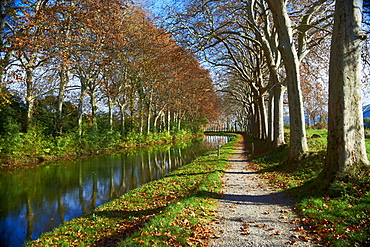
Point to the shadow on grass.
(128, 228)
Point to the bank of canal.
(37, 199)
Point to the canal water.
(37, 199)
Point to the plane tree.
(296, 38)
(205, 22)
(346, 151)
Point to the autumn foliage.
(105, 58)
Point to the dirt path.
(251, 213)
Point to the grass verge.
(339, 216)
(168, 212)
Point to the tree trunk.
(168, 121)
(149, 116)
(263, 117)
(110, 112)
(60, 100)
(270, 116)
(278, 115)
(94, 107)
(5, 55)
(30, 98)
(298, 142)
(80, 108)
(122, 111)
(156, 121)
(132, 111)
(141, 116)
(346, 143)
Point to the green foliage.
(36, 143)
(12, 109)
(182, 134)
(67, 144)
(11, 139)
(367, 123)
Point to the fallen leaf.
(305, 238)
(300, 229)
(285, 210)
(261, 225)
(271, 229)
(292, 242)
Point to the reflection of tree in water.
(59, 191)
(213, 142)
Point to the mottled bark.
(111, 103)
(346, 143)
(122, 125)
(298, 142)
(60, 99)
(30, 98)
(263, 118)
(278, 115)
(270, 116)
(80, 108)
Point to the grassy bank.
(175, 210)
(172, 211)
(338, 216)
(34, 146)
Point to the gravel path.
(252, 214)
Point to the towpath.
(251, 213)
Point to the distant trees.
(92, 73)
(226, 33)
(265, 46)
(99, 57)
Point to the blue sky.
(158, 6)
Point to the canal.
(37, 199)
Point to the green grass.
(338, 216)
(175, 210)
(167, 212)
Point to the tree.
(206, 24)
(346, 143)
(314, 85)
(298, 143)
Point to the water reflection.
(37, 199)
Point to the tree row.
(71, 61)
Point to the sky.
(159, 7)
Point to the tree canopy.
(106, 56)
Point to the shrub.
(11, 140)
